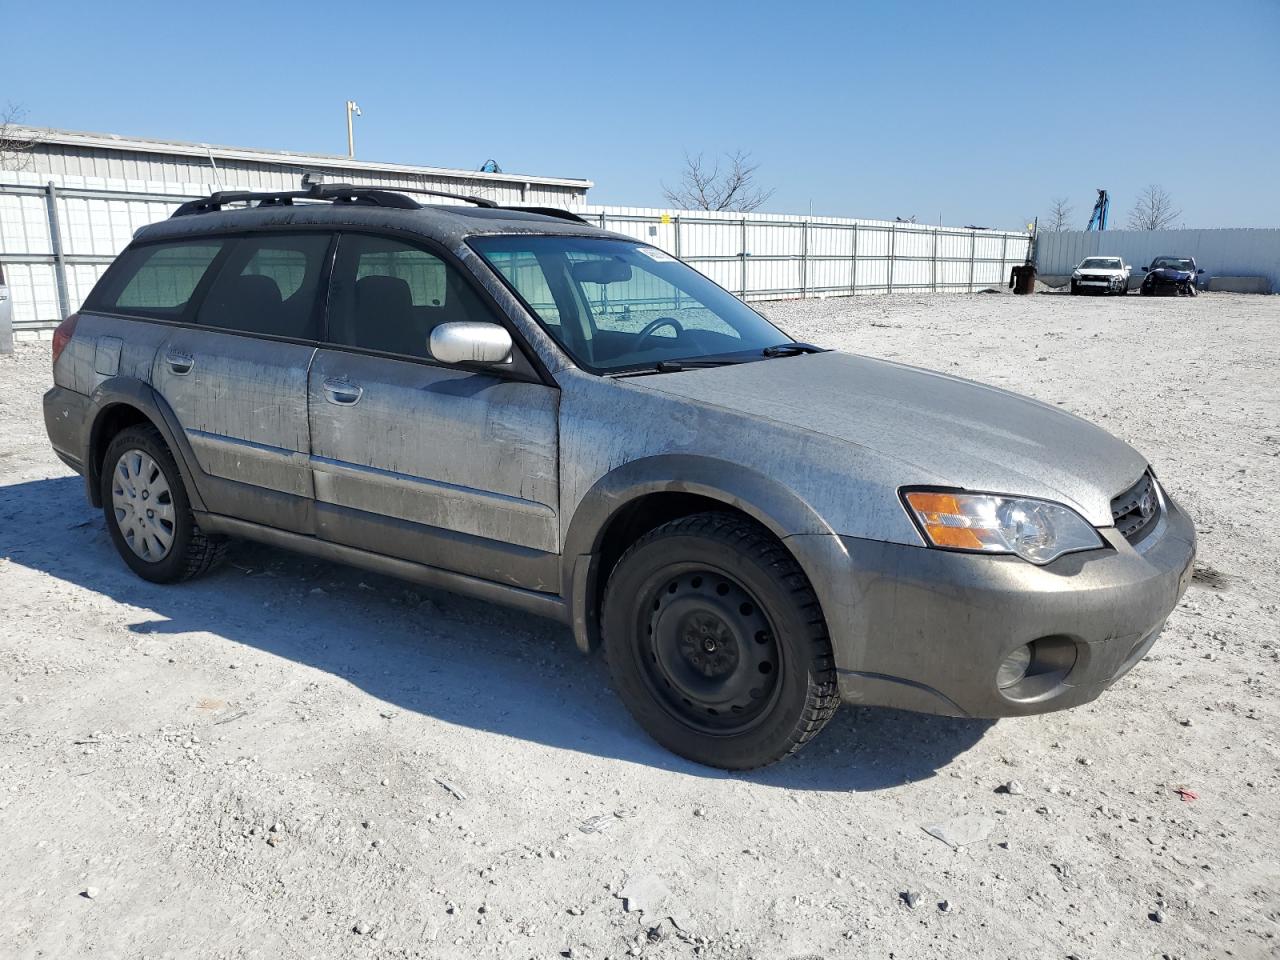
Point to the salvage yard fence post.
(55, 241)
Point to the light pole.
(353, 109)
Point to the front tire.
(717, 644)
(148, 513)
(1075, 288)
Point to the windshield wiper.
(791, 349)
(676, 366)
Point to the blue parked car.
(1173, 276)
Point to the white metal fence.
(59, 233)
(775, 256)
(1221, 253)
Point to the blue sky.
(969, 112)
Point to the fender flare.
(763, 499)
(130, 392)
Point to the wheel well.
(109, 423)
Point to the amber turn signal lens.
(945, 522)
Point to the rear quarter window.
(156, 280)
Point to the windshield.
(1100, 263)
(1175, 262)
(616, 304)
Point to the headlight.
(1036, 530)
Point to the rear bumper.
(65, 413)
(927, 630)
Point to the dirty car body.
(955, 548)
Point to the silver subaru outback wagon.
(513, 405)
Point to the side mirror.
(1200, 270)
(471, 343)
(1145, 269)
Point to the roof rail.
(334, 192)
(552, 212)
(469, 198)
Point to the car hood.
(1171, 273)
(940, 430)
(1116, 270)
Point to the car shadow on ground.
(459, 660)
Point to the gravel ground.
(294, 759)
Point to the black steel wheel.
(709, 653)
(716, 642)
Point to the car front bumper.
(925, 629)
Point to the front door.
(237, 378)
(453, 467)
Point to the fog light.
(1014, 667)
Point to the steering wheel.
(653, 325)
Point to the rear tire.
(148, 513)
(717, 644)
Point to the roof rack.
(349, 193)
(552, 212)
(334, 192)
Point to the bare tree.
(731, 187)
(1153, 211)
(16, 143)
(1059, 218)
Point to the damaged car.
(1171, 276)
(1101, 275)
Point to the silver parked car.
(513, 405)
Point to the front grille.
(1094, 276)
(1136, 510)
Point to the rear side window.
(267, 285)
(156, 280)
(389, 296)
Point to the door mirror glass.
(465, 342)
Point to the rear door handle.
(180, 363)
(342, 393)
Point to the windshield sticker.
(653, 253)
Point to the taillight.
(62, 335)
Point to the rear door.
(449, 466)
(236, 377)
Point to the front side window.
(156, 280)
(616, 304)
(389, 296)
(267, 285)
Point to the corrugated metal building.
(74, 154)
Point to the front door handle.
(342, 393)
(180, 363)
